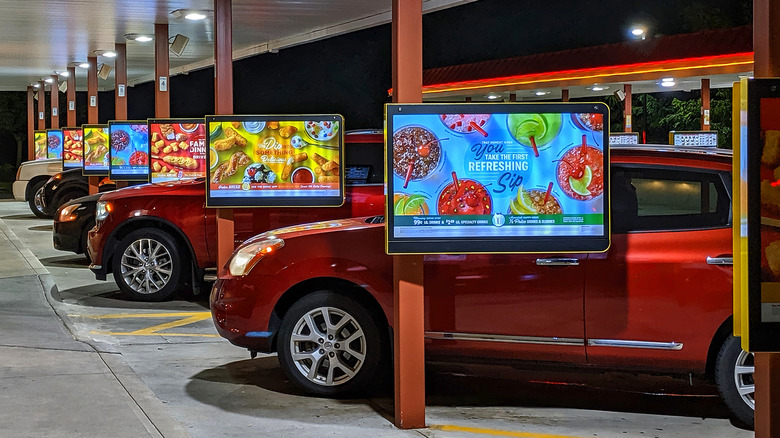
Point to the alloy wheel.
(38, 199)
(328, 346)
(146, 266)
(743, 378)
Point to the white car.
(31, 177)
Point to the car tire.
(34, 199)
(734, 377)
(65, 197)
(147, 265)
(308, 346)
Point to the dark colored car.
(72, 222)
(659, 299)
(67, 185)
(169, 227)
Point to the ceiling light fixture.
(667, 80)
(668, 84)
(492, 96)
(597, 88)
(48, 80)
(195, 16)
(542, 93)
(64, 74)
(109, 54)
(36, 85)
(190, 14)
(84, 65)
(141, 38)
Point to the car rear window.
(364, 163)
(665, 199)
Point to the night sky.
(353, 78)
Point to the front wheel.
(35, 200)
(147, 265)
(734, 377)
(330, 344)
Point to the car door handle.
(557, 262)
(720, 260)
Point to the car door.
(658, 295)
(527, 306)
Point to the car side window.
(364, 163)
(669, 199)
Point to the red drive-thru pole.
(766, 64)
(30, 125)
(55, 102)
(409, 311)
(627, 107)
(120, 88)
(92, 110)
(41, 105)
(162, 100)
(223, 101)
(705, 104)
(71, 96)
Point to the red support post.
(565, 95)
(162, 100)
(55, 102)
(120, 82)
(92, 110)
(41, 105)
(30, 124)
(409, 303)
(705, 104)
(71, 96)
(627, 106)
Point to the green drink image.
(534, 130)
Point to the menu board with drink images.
(763, 231)
(54, 143)
(178, 149)
(39, 138)
(128, 152)
(285, 160)
(95, 150)
(487, 178)
(72, 148)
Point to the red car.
(156, 237)
(660, 299)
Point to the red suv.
(155, 237)
(660, 299)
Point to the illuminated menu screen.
(54, 143)
(72, 148)
(275, 160)
(40, 145)
(623, 138)
(694, 138)
(178, 149)
(95, 150)
(497, 178)
(128, 151)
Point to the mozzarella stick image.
(319, 159)
(330, 166)
(303, 156)
(287, 171)
(327, 179)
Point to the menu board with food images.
(72, 148)
(763, 154)
(178, 149)
(497, 178)
(54, 143)
(95, 150)
(285, 160)
(128, 152)
(39, 138)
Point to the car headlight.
(246, 257)
(68, 214)
(102, 209)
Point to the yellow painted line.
(495, 432)
(197, 335)
(143, 315)
(172, 324)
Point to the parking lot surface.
(77, 359)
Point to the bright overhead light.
(542, 93)
(84, 65)
(493, 96)
(637, 31)
(48, 80)
(36, 85)
(597, 88)
(195, 16)
(143, 38)
(667, 80)
(668, 84)
(64, 74)
(109, 54)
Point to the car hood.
(84, 200)
(317, 228)
(192, 187)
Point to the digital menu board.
(39, 138)
(95, 162)
(72, 148)
(763, 218)
(694, 138)
(623, 138)
(482, 178)
(275, 160)
(178, 149)
(128, 151)
(54, 143)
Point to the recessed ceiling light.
(143, 38)
(84, 65)
(637, 31)
(542, 93)
(195, 16)
(492, 96)
(48, 80)
(597, 88)
(109, 54)
(36, 85)
(667, 80)
(64, 74)
(668, 84)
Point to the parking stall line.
(495, 432)
(189, 318)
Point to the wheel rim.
(38, 200)
(328, 346)
(743, 378)
(146, 266)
